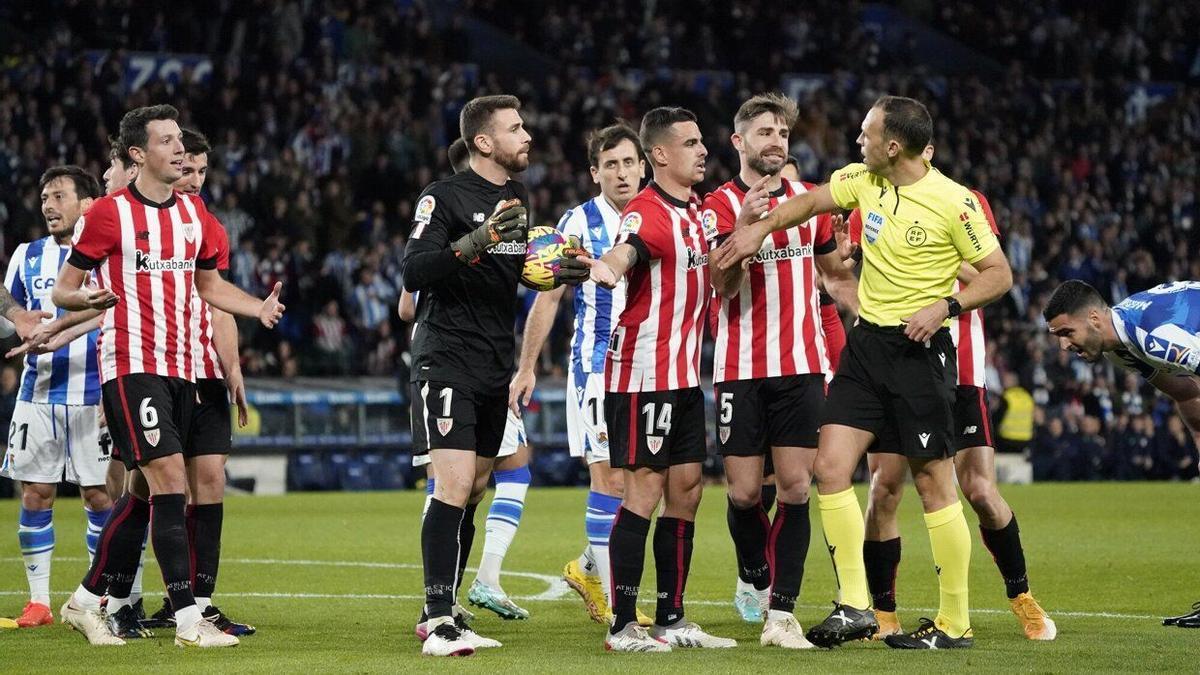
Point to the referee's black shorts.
(901, 391)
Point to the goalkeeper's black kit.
(463, 333)
(462, 354)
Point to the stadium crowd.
(328, 117)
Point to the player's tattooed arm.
(610, 267)
(26, 322)
(7, 303)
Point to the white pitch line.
(556, 589)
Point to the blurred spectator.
(332, 340)
(1015, 415)
(373, 299)
(1176, 452)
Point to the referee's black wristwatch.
(954, 305)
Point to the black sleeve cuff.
(81, 261)
(206, 263)
(826, 299)
(643, 251)
(829, 246)
(720, 239)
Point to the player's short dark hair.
(906, 120)
(459, 156)
(115, 151)
(195, 143)
(476, 116)
(658, 121)
(1072, 297)
(772, 102)
(608, 138)
(133, 131)
(86, 185)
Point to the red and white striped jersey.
(147, 254)
(772, 327)
(656, 344)
(967, 329)
(208, 366)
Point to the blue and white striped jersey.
(595, 223)
(71, 375)
(1160, 329)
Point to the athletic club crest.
(445, 424)
(654, 443)
(724, 433)
(189, 231)
(152, 436)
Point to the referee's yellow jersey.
(914, 239)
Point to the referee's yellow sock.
(842, 520)
(951, 542)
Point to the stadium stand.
(327, 118)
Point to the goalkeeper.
(465, 256)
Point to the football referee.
(465, 257)
(894, 388)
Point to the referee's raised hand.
(509, 222)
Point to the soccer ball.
(543, 251)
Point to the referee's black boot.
(1189, 620)
(929, 636)
(844, 624)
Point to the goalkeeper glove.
(572, 271)
(509, 222)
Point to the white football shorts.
(46, 439)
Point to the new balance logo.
(943, 358)
(971, 429)
(924, 440)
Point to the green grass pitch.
(332, 582)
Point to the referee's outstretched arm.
(745, 241)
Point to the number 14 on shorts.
(660, 423)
